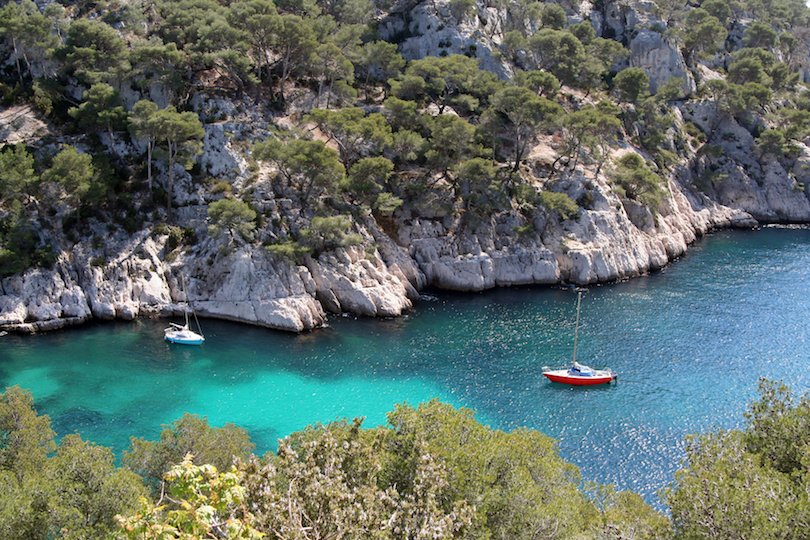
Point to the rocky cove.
(249, 285)
(111, 274)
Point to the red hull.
(579, 381)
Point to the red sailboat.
(578, 374)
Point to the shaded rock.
(661, 60)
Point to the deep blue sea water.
(689, 342)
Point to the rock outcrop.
(132, 278)
(433, 29)
(604, 244)
(661, 60)
(246, 284)
(722, 181)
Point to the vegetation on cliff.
(432, 472)
(355, 128)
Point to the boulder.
(661, 60)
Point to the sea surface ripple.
(689, 343)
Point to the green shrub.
(222, 187)
(751, 483)
(636, 181)
(231, 216)
(525, 230)
(331, 232)
(386, 204)
(289, 249)
(45, 257)
(42, 98)
(177, 236)
(559, 203)
(526, 196)
(13, 262)
(631, 84)
(773, 142)
(693, 130)
(160, 229)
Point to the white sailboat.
(181, 334)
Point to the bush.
(693, 130)
(42, 98)
(13, 262)
(386, 204)
(231, 216)
(191, 433)
(636, 181)
(752, 483)
(290, 250)
(526, 196)
(177, 236)
(525, 230)
(773, 142)
(45, 257)
(222, 187)
(560, 204)
(631, 84)
(332, 232)
(18, 248)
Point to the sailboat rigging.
(579, 374)
(181, 333)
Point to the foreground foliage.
(433, 472)
(753, 483)
(70, 491)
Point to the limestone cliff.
(429, 244)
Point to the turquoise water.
(689, 343)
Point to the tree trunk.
(518, 151)
(27, 64)
(285, 73)
(17, 59)
(329, 92)
(150, 144)
(576, 155)
(599, 168)
(366, 83)
(554, 165)
(170, 186)
(307, 193)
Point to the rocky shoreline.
(380, 279)
(719, 179)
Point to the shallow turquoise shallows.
(689, 344)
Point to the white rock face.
(351, 280)
(613, 239)
(21, 124)
(739, 176)
(601, 246)
(433, 30)
(474, 262)
(733, 185)
(247, 284)
(219, 158)
(661, 60)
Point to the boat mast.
(190, 308)
(576, 328)
(185, 296)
